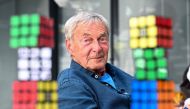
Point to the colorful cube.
(150, 64)
(31, 30)
(152, 94)
(150, 32)
(35, 95)
(34, 63)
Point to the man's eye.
(87, 41)
(103, 39)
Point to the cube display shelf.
(35, 95)
(31, 30)
(150, 32)
(34, 63)
(152, 94)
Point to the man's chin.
(96, 64)
(96, 67)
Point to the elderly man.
(90, 82)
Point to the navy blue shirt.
(79, 88)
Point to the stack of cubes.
(150, 37)
(33, 36)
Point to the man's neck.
(100, 72)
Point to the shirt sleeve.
(73, 95)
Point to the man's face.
(89, 46)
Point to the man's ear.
(68, 45)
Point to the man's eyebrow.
(86, 34)
(103, 34)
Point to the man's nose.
(96, 46)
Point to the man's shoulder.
(69, 78)
(66, 75)
(71, 75)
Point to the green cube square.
(159, 52)
(151, 75)
(14, 43)
(33, 41)
(140, 63)
(14, 32)
(162, 73)
(138, 53)
(14, 21)
(140, 74)
(23, 42)
(34, 30)
(24, 30)
(161, 62)
(35, 19)
(24, 19)
(150, 64)
(148, 53)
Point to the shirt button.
(96, 76)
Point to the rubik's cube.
(150, 63)
(35, 95)
(31, 30)
(34, 63)
(150, 36)
(150, 32)
(152, 95)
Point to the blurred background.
(117, 12)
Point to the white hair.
(83, 17)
